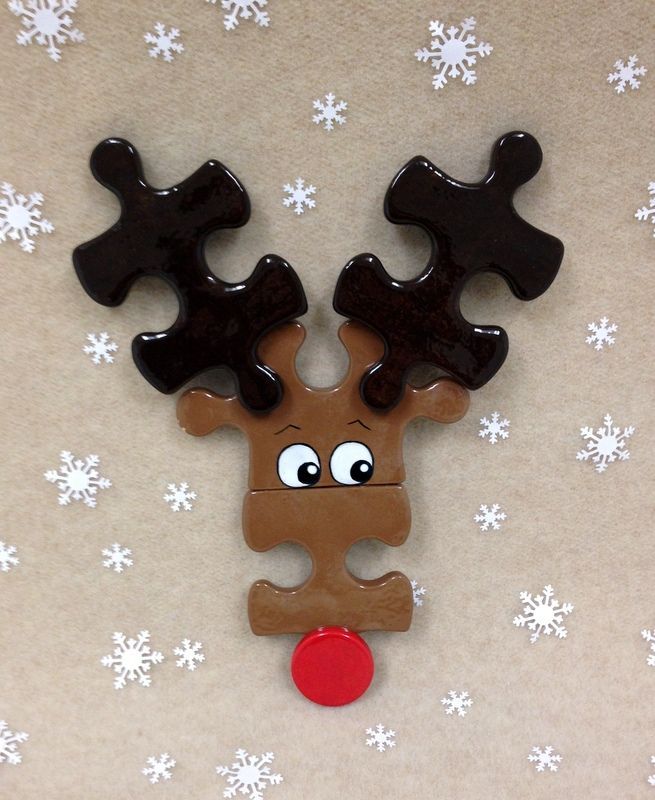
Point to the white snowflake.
(649, 636)
(20, 217)
(459, 702)
(132, 659)
(179, 497)
(494, 428)
(651, 778)
(243, 9)
(189, 654)
(7, 557)
(117, 557)
(46, 22)
(490, 517)
(100, 348)
(605, 445)
(453, 53)
(626, 75)
(545, 758)
(299, 196)
(601, 333)
(328, 112)
(543, 614)
(164, 43)
(77, 479)
(8, 744)
(645, 212)
(159, 768)
(380, 738)
(418, 593)
(249, 774)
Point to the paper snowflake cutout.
(380, 738)
(601, 333)
(159, 768)
(178, 497)
(249, 775)
(189, 654)
(20, 217)
(606, 445)
(77, 479)
(7, 557)
(243, 9)
(328, 112)
(651, 778)
(490, 517)
(452, 53)
(545, 758)
(132, 659)
(543, 614)
(457, 702)
(649, 636)
(494, 428)
(299, 196)
(100, 347)
(46, 22)
(117, 557)
(9, 741)
(418, 593)
(626, 75)
(163, 43)
(647, 213)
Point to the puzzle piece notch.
(473, 228)
(161, 232)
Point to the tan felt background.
(246, 98)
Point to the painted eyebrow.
(360, 422)
(286, 427)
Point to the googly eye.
(351, 463)
(298, 465)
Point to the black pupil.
(361, 471)
(309, 473)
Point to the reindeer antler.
(473, 228)
(162, 232)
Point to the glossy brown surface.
(473, 228)
(161, 232)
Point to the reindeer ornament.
(326, 465)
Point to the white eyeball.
(298, 465)
(351, 463)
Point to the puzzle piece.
(473, 228)
(161, 232)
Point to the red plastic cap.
(332, 666)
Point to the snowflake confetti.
(418, 593)
(117, 557)
(189, 654)
(328, 112)
(77, 479)
(100, 347)
(299, 196)
(457, 702)
(159, 768)
(47, 22)
(494, 428)
(649, 636)
(647, 213)
(132, 659)
(490, 517)
(452, 53)
(20, 217)
(249, 775)
(179, 497)
(7, 557)
(243, 9)
(606, 445)
(9, 742)
(651, 778)
(545, 758)
(543, 614)
(601, 333)
(626, 75)
(164, 43)
(380, 738)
